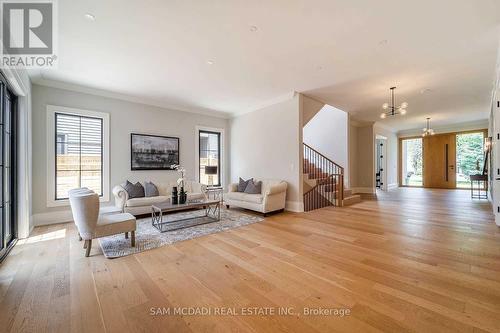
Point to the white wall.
(365, 159)
(327, 133)
(494, 166)
(125, 118)
(309, 108)
(494, 133)
(353, 155)
(361, 157)
(266, 144)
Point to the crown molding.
(39, 80)
(14, 78)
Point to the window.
(8, 168)
(411, 171)
(78, 154)
(210, 157)
(62, 149)
(470, 157)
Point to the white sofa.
(141, 206)
(271, 199)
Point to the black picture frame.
(153, 160)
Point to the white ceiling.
(345, 53)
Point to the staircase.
(324, 182)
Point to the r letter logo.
(28, 33)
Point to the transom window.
(78, 154)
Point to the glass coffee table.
(162, 209)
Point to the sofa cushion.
(254, 187)
(114, 224)
(242, 185)
(164, 189)
(146, 201)
(150, 190)
(240, 196)
(134, 190)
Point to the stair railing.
(329, 176)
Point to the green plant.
(470, 156)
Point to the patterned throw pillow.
(242, 185)
(150, 190)
(254, 187)
(134, 190)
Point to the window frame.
(210, 130)
(52, 148)
(56, 138)
(8, 241)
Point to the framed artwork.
(153, 152)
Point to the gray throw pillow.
(150, 190)
(254, 187)
(134, 190)
(242, 185)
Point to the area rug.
(148, 237)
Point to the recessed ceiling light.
(253, 28)
(210, 62)
(383, 42)
(90, 17)
(426, 90)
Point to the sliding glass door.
(7, 168)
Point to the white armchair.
(91, 225)
(271, 199)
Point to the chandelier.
(427, 130)
(393, 109)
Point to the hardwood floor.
(413, 260)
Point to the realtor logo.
(28, 33)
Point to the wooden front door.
(439, 161)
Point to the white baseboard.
(64, 216)
(31, 230)
(294, 206)
(392, 186)
(356, 190)
(61, 216)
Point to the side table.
(481, 190)
(215, 193)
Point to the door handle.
(446, 162)
(452, 167)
